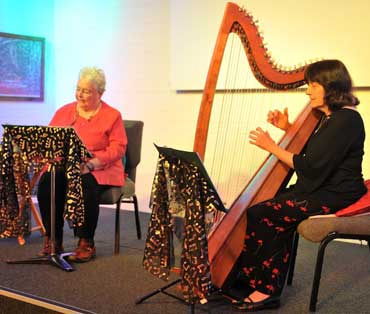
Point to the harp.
(225, 241)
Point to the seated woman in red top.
(329, 177)
(101, 129)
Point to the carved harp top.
(225, 242)
(237, 20)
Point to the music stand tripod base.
(53, 259)
(163, 290)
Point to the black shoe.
(269, 303)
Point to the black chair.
(323, 230)
(126, 193)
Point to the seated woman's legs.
(270, 228)
(85, 250)
(44, 201)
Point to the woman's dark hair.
(337, 83)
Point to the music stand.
(194, 159)
(53, 258)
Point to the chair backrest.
(134, 132)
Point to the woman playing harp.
(329, 177)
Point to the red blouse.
(104, 136)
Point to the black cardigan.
(329, 168)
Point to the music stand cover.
(194, 159)
(53, 258)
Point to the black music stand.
(194, 159)
(53, 258)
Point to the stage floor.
(112, 284)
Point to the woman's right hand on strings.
(279, 119)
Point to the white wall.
(131, 41)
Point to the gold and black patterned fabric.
(26, 148)
(179, 190)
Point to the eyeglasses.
(83, 91)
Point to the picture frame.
(21, 67)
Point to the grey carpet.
(112, 284)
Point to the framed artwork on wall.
(21, 67)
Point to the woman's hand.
(279, 119)
(262, 139)
(84, 169)
(91, 165)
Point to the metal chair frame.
(134, 130)
(319, 260)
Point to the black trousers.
(264, 261)
(91, 193)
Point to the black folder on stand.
(194, 159)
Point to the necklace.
(322, 122)
(88, 115)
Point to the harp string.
(232, 157)
(223, 131)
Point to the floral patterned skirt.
(264, 261)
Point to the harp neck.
(237, 20)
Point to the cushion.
(360, 207)
(316, 230)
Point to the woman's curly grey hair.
(94, 75)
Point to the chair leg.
(137, 219)
(318, 270)
(117, 228)
(293, 256)
(39, 225)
